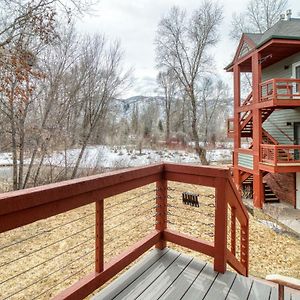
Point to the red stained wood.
(29, 215)
(189, 242)
(17, 200)
(235, 264)
(192, 179)
(233, 230)
(161, 209)
(94, 189)
(245, 247)
(207, 171)
(99, 254)
(220, 227)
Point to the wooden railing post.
(99, 263)
(161, 210)
(233, 230)
(245, 247)
(220, 244)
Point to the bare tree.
(212, 96)
(167, 81)
(259, 16)
(182, 44)
(102, 64)
(36, 18)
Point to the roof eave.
(278, 37)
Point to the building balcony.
(66, 240)
(280, 158)
(280, 92)
(230, 127)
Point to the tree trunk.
(199, 150)
(14, 146)
(167, 127)
(83, 147)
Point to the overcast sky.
(134, 23)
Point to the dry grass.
(49, 266)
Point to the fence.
(66, 240)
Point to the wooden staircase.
(247, 121)
(270, 197)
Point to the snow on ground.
(120, 157)
(5, 159)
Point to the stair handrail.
(281, 131)
(248, 99)
(270, 137)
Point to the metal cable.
(46, 231)
(130, 199)
(210, 234)
(115, 238)
(193, 211)
(60, 282)
(41, 249)
(128, 220)
(16, 259)
(194, 221)
(48, 275)
(124, 211)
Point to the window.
(296, 74)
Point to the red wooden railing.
(248, 100)
(230, 127)
(280, 89)
(27, 206)
(275, 154)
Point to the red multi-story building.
(269, 117)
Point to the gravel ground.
(41, 259)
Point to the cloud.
(134, 23)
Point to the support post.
(161, 210)
(233, 230)
(99, 263)
(258, 191)
(236, 126)
(245, 247)
(220, 243)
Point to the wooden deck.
(168, 274)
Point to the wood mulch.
(41, 259)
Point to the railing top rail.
(238, 202)
(105, 185)
(246, 151)
(32, 197)
(267, 82)
(280, 146)
(268, 146)
(209, 171)
(275, 80)
(287, 79)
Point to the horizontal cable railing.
(66, 240)
(280, 89)
(280, 154)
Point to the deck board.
(221, 286)
(168, 274)
(201, 285)
(184, 281)
(259, 290)
(157, 288)
(240, 289)
(133, 290)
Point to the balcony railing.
(230, 127)
(280, 154)
(90, 214)
(280, 89)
